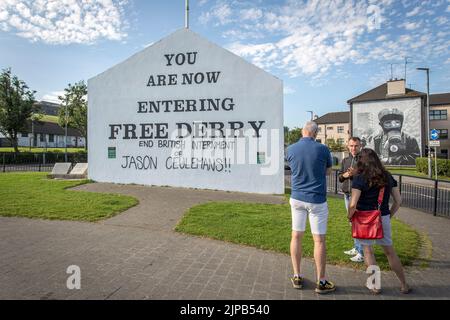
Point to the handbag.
(366, 224)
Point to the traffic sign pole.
(435, 162)
(434, 135)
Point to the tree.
(286, 136)
(75, 103)
(294, 135)
(16, 106)
(335, 146)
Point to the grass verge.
(32, 195)
(268, 226)
(414, 173)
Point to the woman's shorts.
(387, 234)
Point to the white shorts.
(387, 234)
(318, 216)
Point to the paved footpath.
(137, 255)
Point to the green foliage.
(286, 135)
(38, 157)
(414, 173)
(268, 226)
(16, 106)
(443, 166)
(335, 146)
(73, 110)
(292, 136)
(41, 149)
(50, 199)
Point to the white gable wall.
(114, 96)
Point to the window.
(51, 138)
(438, 114)
(41, 137)
(25, 135)
(340, 141)
(329, 128)
(443, 134)
(320, 129)
(340, 129)
(319, 140)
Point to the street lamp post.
(32, 133)
(65, 138)
(428, 119)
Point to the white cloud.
(64, 22)
(53, 96)
(251, 14)
(441, 21)
(288, 90)
(411, 25)
(316, 38)
(413, 12)
(219, 15)
(382, 38)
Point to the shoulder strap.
(380, 197)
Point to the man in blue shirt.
(310, 163)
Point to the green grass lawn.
(49, 118)
(268, 226)
(414, 173)
(32, 195)
(27, 149)
(406, 171)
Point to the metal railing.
(428, 195)
(42, 162)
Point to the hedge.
(443, 166)
(38, 157)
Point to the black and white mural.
(390, 127)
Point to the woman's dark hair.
(371, 168)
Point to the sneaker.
(352, 252)
(358, 258)
(325, 287)
(297, 282)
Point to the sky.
(325, 51)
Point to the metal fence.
(12, 162)
(428, 195)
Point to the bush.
(335, 146)
(443, 166)
(38, 157)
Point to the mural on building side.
(392, 128)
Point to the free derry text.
(197, 129)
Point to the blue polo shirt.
(309, 161)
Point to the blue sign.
(434, 134)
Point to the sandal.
(374, 290)
(405, 290)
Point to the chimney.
(396, 87)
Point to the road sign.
(434, 134)
(435, 143)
